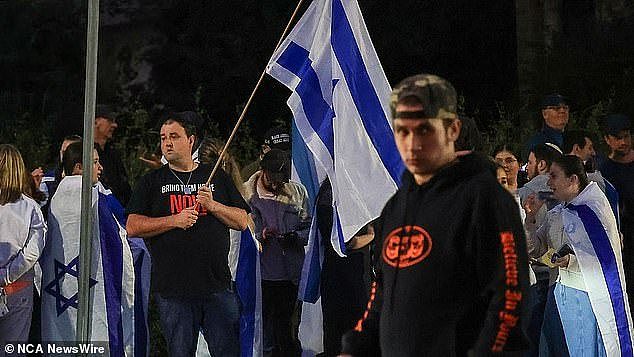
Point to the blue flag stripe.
(363, 93)
(312, 280)
(613, 197)
(112, 262)
(304, 165)
(607, 259)
(140, 317)
(245, 279)
(319, 114)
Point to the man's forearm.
(232, 217)
(147, 227)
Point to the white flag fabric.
(591, 227)
(112, 280)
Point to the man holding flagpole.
(450, 248)
(186, 224)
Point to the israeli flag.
(340, 103)
(244, 261)
(591, 227)
(113, 279)
(341, 129)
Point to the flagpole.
(257, 85)
(86, 227)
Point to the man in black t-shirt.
(186, 225)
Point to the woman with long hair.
(22, 239)
(505, 157)
(587, 311)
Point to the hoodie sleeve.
(363, 340)
(501, 261)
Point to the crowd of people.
(476, 254)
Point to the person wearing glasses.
(508, 160)
(555, 111)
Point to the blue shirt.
(546, 135)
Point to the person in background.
(22, 239)
(282, 221)
(509, 161)
(275, 138)
(556, 113)
(114, 175)
(587, 312)
(618, 168)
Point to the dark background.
(502, 56)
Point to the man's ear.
(77, 169)
(541, 165)
(453, 131)
(575, 149)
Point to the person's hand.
(532, 204)
(153, 161)
(563, 261)
(37, 176)
(269, 233)
(206, 198)
(186, 218)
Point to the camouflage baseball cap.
(436, 94)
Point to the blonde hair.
(13, 176)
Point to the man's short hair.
(435, 94)
(72, 156)
(572, 137)
(190, 121)
(613, 124)
(545, 152)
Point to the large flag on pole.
(590, 225)
(112, 280)
(340, 104)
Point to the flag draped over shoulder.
(591, 227)
(112, 281)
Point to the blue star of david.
(54, 288)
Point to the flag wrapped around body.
(112, 280)
(591, 227)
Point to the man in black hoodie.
(450, 249)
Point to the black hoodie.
(458, 283)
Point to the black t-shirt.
(190, 262)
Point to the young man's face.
(96, 167)
(620, 144)
(556, 117)
(175, 144)
(587, 152)
(425, 145)
(531, 166)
